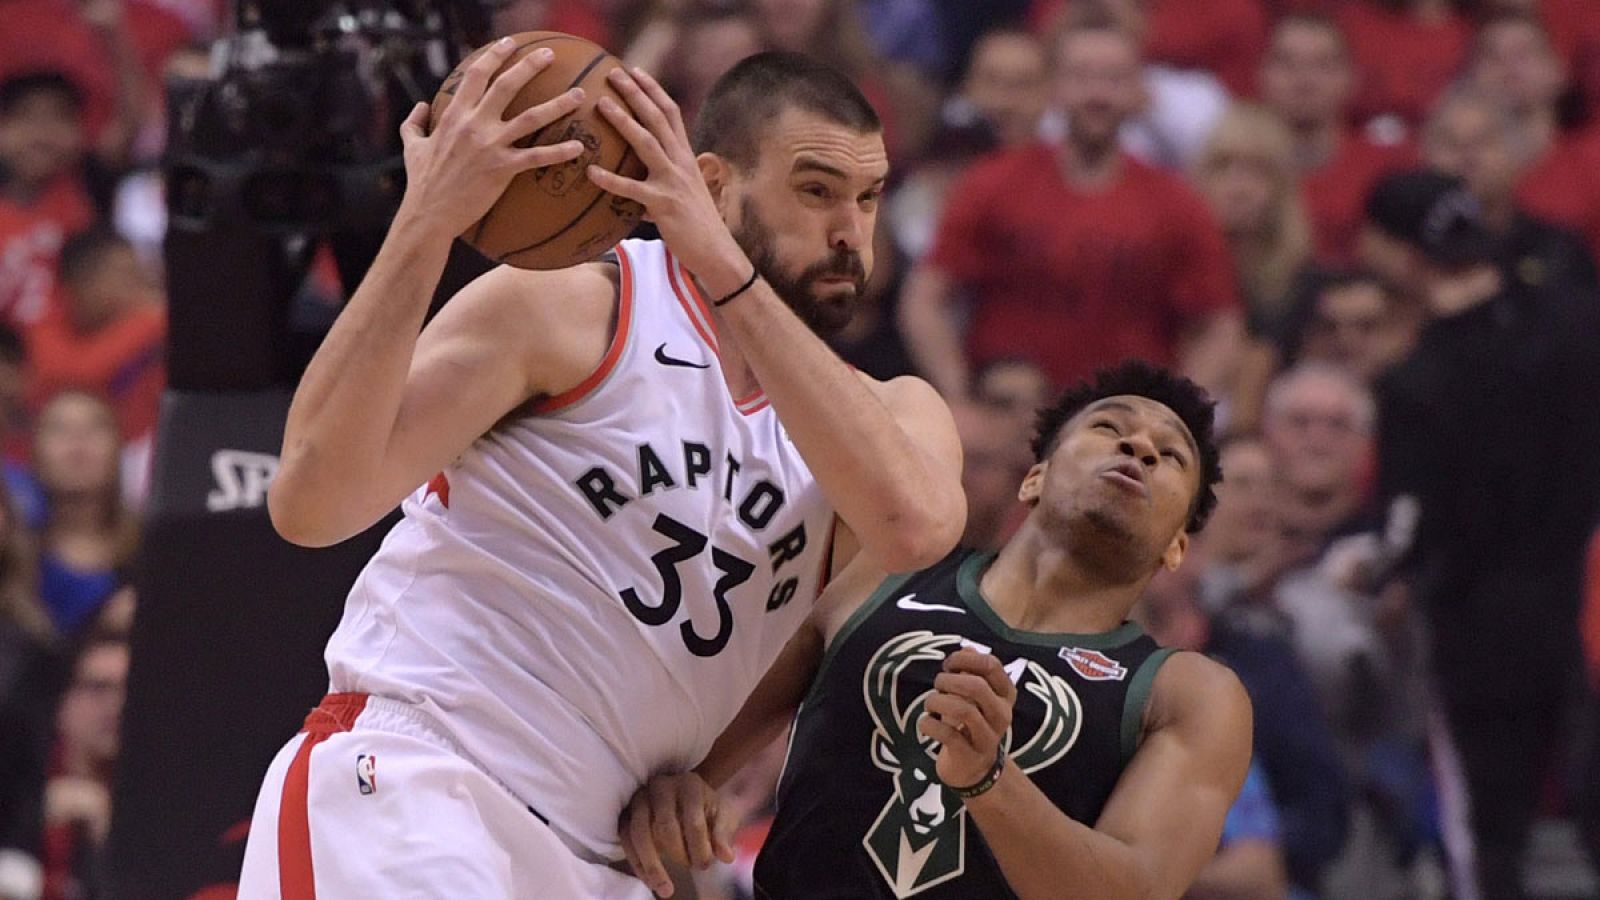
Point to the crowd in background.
(1369, 227)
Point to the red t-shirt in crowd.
(122, 362)
(30, 243)
(1564, 187)
(1078, 280)
(1336, 193)
(1404, 62)
(1224, 37)
(1574, 28)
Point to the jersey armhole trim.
(619, 341)
(1138, 697)
(867, 608)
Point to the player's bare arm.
(376, 411)
(1164, 818)
(887, 459)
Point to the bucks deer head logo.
(920, 838)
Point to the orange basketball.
(554, 216)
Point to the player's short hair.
(745, 101)
(18, 88)
(1137, 378)
(84, 251)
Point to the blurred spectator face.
(793, 24)
(1515, 63)
(1241, 187)
(994, 464)
(1098, 84)
(76, 446)
(1008, 82)
(707, 50)
(41, 137)
(1016, 388)
(1306, 76)
(1318, 423)
(1468, 137)
(513, 16)
(117, 280)
(1245, 520)
(91, 711)
(1351, 329)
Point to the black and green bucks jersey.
(861, 812)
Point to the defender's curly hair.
(1192, 405)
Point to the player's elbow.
(921, 535)
(295, 518)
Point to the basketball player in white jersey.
(622, 485)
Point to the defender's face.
(806, 212)
(1129, 466)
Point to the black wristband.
(754, 274)
(988, 781)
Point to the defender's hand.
(455, 173)
(968, 713)
(677, 817)
(674, 194)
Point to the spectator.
(1007, 85)
(27, 691)
(89, 536)
(1319, 426)
(1407, 51)
(1575, 33)
(1017, 389)
(109, 335)
(909, 32)
(1248, 176)
(78, 794)
(1249, 862)
(1224, 37)
(16, 431)
(690, 49)
(1489, 427)
(913, 209)
(1515, 64)
(1308, 78)
(1080, 255)
(1471, 136)
(42, 194)
(992, 469)
(1351, 320)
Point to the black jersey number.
(686, 545)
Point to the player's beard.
(827, 317)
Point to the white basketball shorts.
(371, 801)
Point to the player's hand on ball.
(456, 172)
(674, 194)
(674, 817)
(968, 713)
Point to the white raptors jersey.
(588, 595)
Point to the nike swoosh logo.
(907, 603)
(665, 360)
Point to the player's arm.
(377, 411)
(927, 322)
(887, 457)
(1165, 816)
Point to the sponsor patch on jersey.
(1092, 665)
(366, 773)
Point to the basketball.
(554, 216)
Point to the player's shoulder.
(1192, 686)
(902, 389)
(579, 297)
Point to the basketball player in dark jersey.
(994, 726)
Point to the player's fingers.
(987, 667)
(538, 157)
(529, 122)
(415, 126)
(469, 90)
(963, 715)
(622, 186)
(669, 107)
(664, 827)
(722, 827)
(695, 811)
(979, 692)
(643, 142)
(942, 732)
(497, 96)
(647, 859)
(644, 107)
